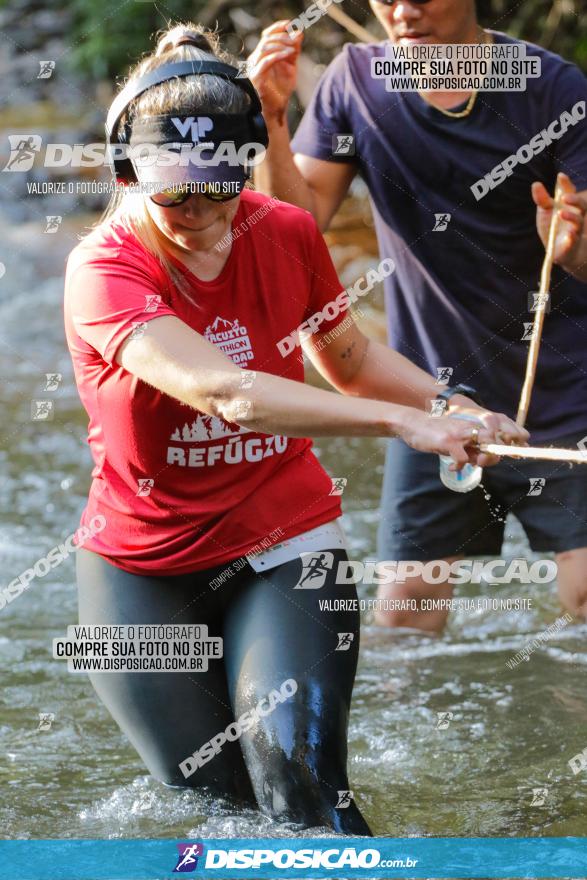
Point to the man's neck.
(450, 100)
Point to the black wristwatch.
(465, 390)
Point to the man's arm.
(314, 184)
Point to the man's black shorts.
(421, 519)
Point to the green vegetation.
(110, 36)
(558, 25)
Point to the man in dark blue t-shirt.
(458, 184)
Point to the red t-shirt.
(181, 490)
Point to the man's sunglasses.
(391, 2)
(174, 196)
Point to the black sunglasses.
(174, 196)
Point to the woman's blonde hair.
(204, 93)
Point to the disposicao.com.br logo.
(330, 858)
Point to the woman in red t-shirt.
(185, 310)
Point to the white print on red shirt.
(230, 338)
(206, 428)
(234, 451)
(233, 340)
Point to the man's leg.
(414, 588)
(550, 500)
(422, 520)
(572, 580)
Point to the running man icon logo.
(444, 719)
(443, 375)
(539, 796)
(52, 381)
(315, 567)
(138, 329)
(247, 378)
(344, 641)
(145, 486)
(152, 302)
(437, 408)
(343, 145)
(344, 800)
(537, 484)
(338, 485)
(23, 149)
(244, 69)
(441, 222)
(46, 719)
(538, 302)
(527, 334)
(47, 68)
(187, 860)
(242, 408)
(41, 410)
(53, 223)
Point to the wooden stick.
(351, 25)
(574, 456)
(544, 296)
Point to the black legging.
(292, 762)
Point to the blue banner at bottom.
(336, 857)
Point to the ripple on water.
(190, 812)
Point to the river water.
(512, 731)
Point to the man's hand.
(504, 430)
(273, 68)
(570, 250)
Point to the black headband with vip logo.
(213, 129)
(170, 149)
(117, 135)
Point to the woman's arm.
(172, 357)
(175, 359)
(360, 367)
